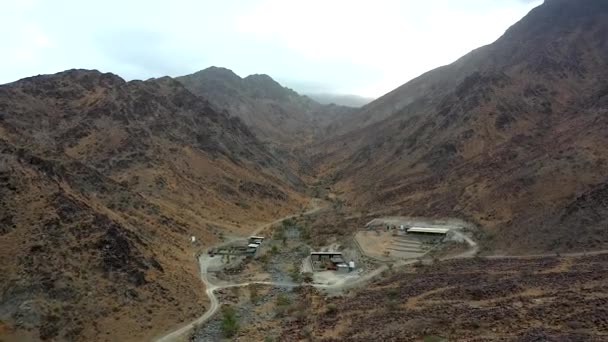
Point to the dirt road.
(315, 205)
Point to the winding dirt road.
(316, 205)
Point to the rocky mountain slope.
(103, 182)
(512, 137)
(476, 300)
(276, 114)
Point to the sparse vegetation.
(229, 325)
(102, 181)
(279, 234)
(295, 274)
(274, 250)
(283, 300)
(288, 223)
(305, 233)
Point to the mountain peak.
(264, 86)
(81, 75)
(274, 112)
(219, 73)
(260, 78)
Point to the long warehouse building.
(442, 231)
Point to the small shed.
(342, 268)
(256, 239)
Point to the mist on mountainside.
(340, 99)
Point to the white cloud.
(356, 46)
(399, 39)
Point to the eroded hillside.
(276, 114)
(511, 137)
(103, 184)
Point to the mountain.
(511, 137)
(340, 99)
(276, 114)
(103, 183)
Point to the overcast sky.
(365, 47)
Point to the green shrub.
(283, 300)
(288, 223)
(295, 275)
(230, 325)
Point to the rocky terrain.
(103, 184)
(542, 299)
(276, 114)
(511, 137)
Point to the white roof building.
(428, 230)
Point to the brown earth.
(510, 137)
(276, 114)
(103, 183)
(541, 299)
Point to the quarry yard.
(282, 262)
(384, 246)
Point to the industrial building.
(249, 250)
(330, 261)
(422, 230)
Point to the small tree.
(283, 300)
(230, 325)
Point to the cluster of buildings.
(253, 244)
(248, 250)
(330, 261)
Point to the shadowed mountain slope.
(103, 182)
(276, 114)
(512, 137)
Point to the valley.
(468, 204)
